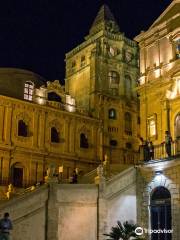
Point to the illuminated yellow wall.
(36, 151)
(160, 75)
(107, 50)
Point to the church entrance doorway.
(177, 131)
(17, 175)
(161, 214)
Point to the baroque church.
(119, 96)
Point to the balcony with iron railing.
(159, 152)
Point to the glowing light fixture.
(158, 172)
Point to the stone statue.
(50, 171)
(10, 191)
(106, 166)
(100, 171)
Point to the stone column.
(102, 209)
(167, 109)
(1, 122)
(52, 213)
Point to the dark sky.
(36, 34)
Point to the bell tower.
(101, 74)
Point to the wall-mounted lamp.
(158, 172)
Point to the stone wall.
(35, 152)
(148, 181)
(117, 201)
(28, 213)
(72, 212)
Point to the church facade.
(98, 113)
(76, 125)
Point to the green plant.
(125, 231)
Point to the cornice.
(92, 39)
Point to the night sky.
(36, 34)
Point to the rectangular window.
(152, 126)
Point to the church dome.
(12, 81)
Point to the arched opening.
(113, 78)
(83, 141)
(54, 135)
(177, 131)
(161, 214)
(128, 86)
(112, 113)
(22, 129)
(52, 96)
(17, 173)
(128, 123)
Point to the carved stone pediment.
(55, 86)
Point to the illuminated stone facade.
(76, 125)
(101, 74)
(159, 86)
(159, 83)
(147, 193)
(39, 132)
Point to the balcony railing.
(160, 152)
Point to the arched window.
(28, 90)
(54, 135)
(129, 145)
(113, 78)
(128, 123)
(161, 213)
(83, 60)
(112, 113)
(73, 64)
(83, 141)
(128, 87)
(22, 129)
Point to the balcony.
(159, 153)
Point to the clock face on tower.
(128, 56)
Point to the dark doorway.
(161, 213)
(17, 176)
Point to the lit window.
(112, 113)
(54, 135)
(128, 123)
(112, 51)
(28, 90)
(83, 141)
(152, 126)
(22, 129)
(113, 78)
